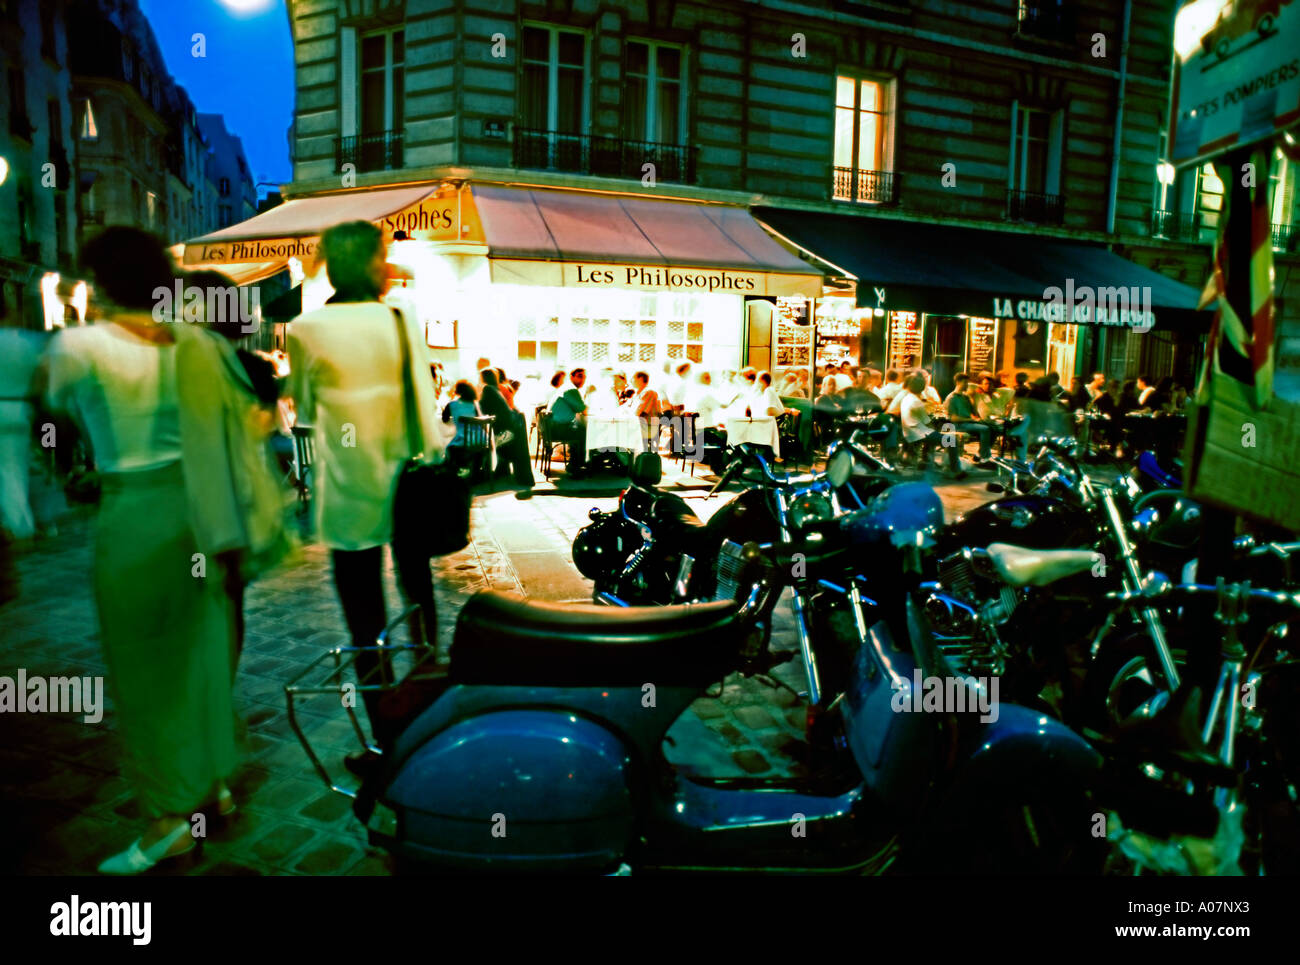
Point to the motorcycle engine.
(730, 567)
(964, 608)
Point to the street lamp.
(4, 170)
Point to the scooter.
(544, 751)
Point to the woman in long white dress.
(165, 622)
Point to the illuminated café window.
(600, 330)
(695, 332)
(551, 328)
(549, 351)
(626, 351)
(89, 128)
(862, 140)
(626, 328)
(527, 351)
(600, 351)
(646, 353)
(579, 328)
(676, 351)
(578, 351)
(695, 353)
(647, 329)
(676, 329)
(527, 328)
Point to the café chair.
(304, 456)
(476, 448)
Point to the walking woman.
(165, 622)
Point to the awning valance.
(971, 271)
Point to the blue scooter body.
(573, 778)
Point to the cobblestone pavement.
(64, 806)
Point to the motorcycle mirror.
(994, 487)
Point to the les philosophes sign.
(434, 219)
(664, 278)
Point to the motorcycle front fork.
(1132, 581)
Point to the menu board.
(904, 349)
(981, 340)
(793, 343)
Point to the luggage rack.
(399, 664)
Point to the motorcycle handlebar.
(1281, 597)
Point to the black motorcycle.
(654, 549)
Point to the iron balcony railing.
(600, 155)
(1176, 226)
(857, 184)
(1035, 207)
(1285, 237)
(1046, 20)
(369, 152)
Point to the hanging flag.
(1240, 344)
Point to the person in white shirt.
(893, 385)
(931, 394)
(769, 400)
(345, 360)
(1145, 391)
(915, 419)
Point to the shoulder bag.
(431, 502)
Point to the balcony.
(1037, 208)
(369, 152)
(1050, 20)
(1176, 226)
(869, 187)
(604, 156)
(1285, 237)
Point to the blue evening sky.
(247, 74)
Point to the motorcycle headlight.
(810, 508)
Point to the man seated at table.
(963, 416)
(569, 421)
(646, 406)
(893, 385)
(915, 420)
(768, 399)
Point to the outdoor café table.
(760, 431)
(614, 432)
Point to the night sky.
(247, 74)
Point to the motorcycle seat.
(505, 639)
(1021, 566)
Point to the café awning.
(588, 239)
(293, 229)
(970, 271)
(533, 236)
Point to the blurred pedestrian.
(166, 623)
(344, 357)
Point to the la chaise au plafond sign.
(1236, 75)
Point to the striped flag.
(1240, 344)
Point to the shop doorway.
(945, 350)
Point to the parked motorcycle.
(654, 549)
(543, 753)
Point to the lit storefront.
(964, 299)
(536, 278)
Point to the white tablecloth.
(614, 433)
(760, 430)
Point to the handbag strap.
(414, 441)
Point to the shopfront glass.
(535, 329)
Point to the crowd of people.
(986, 405)
(570, 396)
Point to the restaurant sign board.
(1236, 75)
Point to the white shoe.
(135, 859)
